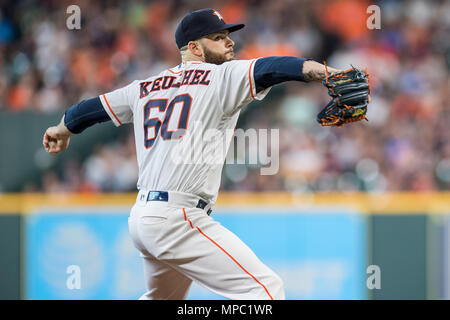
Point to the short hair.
(184, 49)
(183, 52)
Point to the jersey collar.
(184, 63)
(191, 62)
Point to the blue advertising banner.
(60, 246)
(89, 254)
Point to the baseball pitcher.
(170, 223)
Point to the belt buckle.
(202, 204)
(158, 196)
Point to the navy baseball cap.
(201, 23)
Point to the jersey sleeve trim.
(109, 110)
(250, 79)
(253, 91)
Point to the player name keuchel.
(190, 78)
(194, 310)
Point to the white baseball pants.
(180, 244)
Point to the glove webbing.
(335, 118)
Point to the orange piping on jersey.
(271, 298)
(104, 97)
(186, 219)
(175, 72)
(250, 79)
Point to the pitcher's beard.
(215, 58)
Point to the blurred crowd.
(405, 145)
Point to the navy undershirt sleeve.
(85, 114)
(273, 70)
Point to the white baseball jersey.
(177, 117)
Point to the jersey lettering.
(183, 115)
(196, 77)
(187, 75)
(156, 117)
(156, 85)
(167, 82)
(204, 81)
(153, 118)
(144, 91)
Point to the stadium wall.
(320, 244)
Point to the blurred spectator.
(404, 146)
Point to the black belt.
(202, 204)
(164, 196)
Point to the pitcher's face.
(217, 47)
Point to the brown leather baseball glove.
(350, 91)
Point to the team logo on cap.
(217, 14)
